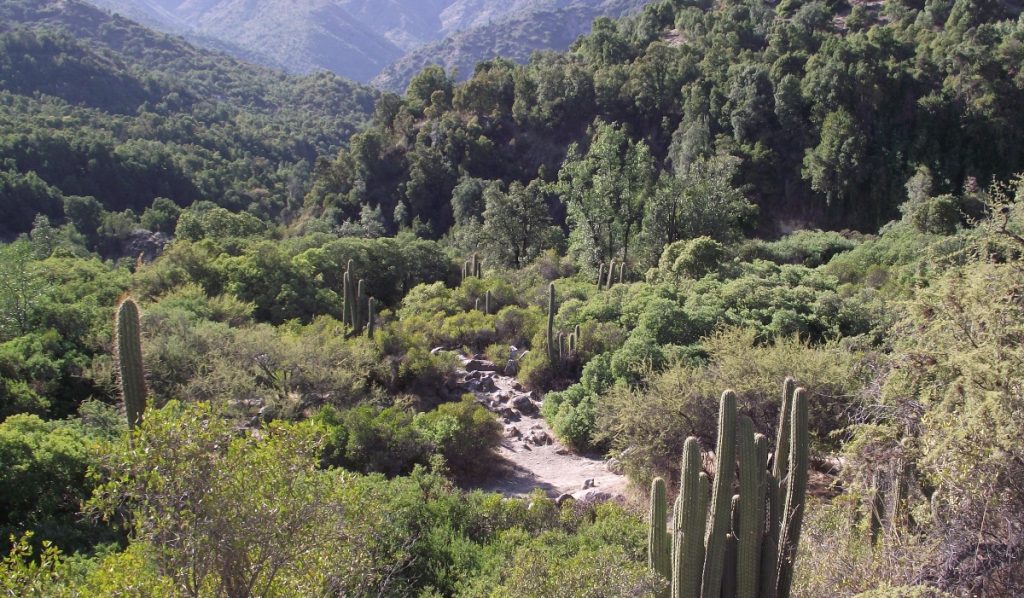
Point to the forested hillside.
(264, 335)
(817, 118)
(99, 109)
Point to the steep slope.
(546, 25)
(303, 36)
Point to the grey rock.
(480, 365)
(595, 496)
(524, 405)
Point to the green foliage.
(681, 401)
(463, 432)
(97, 106)
(211, 222)
(43, 478)
(694, 258)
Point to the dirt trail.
(530, 457)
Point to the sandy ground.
(530, 457)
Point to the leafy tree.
(700, 201)
(20, 288)
(833, 167)
(86, 215)
(517, 224)
(162, 216)
(606, 190)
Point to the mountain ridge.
(361, 39)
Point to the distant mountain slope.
(359, 38)
(546, 25)
(96, 105)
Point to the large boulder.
(524, 405)
(480, 365)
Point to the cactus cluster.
(887, 499)
(561, 346)
(608, 276)
(744, 547)
(472, 267)
(129, 361)
(353, 298)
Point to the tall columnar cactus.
(351, 301)
(658, 548)
(371, 316)
(487, 303)
(776, 487)
(474, 266)
(748, 534)
(727, 552)
(346, 302)
(688, 540)
(600, 276)
(465, 271)
(877, 506)
(796, 492)
(611, 274)
(622, 272)
(129, 361)
(476, 304)
(357, 303)
(721, 498)
(561, 346)
(551, 323)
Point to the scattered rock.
(517, 387)
(589, 483)
(508, 413)
(615, 466)
(539, 438)
(487, 385)
(524, 405)
(561, 451)
(144, 244)
(527, 446)
(513, 432)
(594, 496)
(479, 365)
(563, 498)
(474, 376)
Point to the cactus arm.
(714, 555)
(793, 515)
(551, 322)
(657, 549)
(747, 533)
(690, 522)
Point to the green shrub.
(464, 433)
(696, 258)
